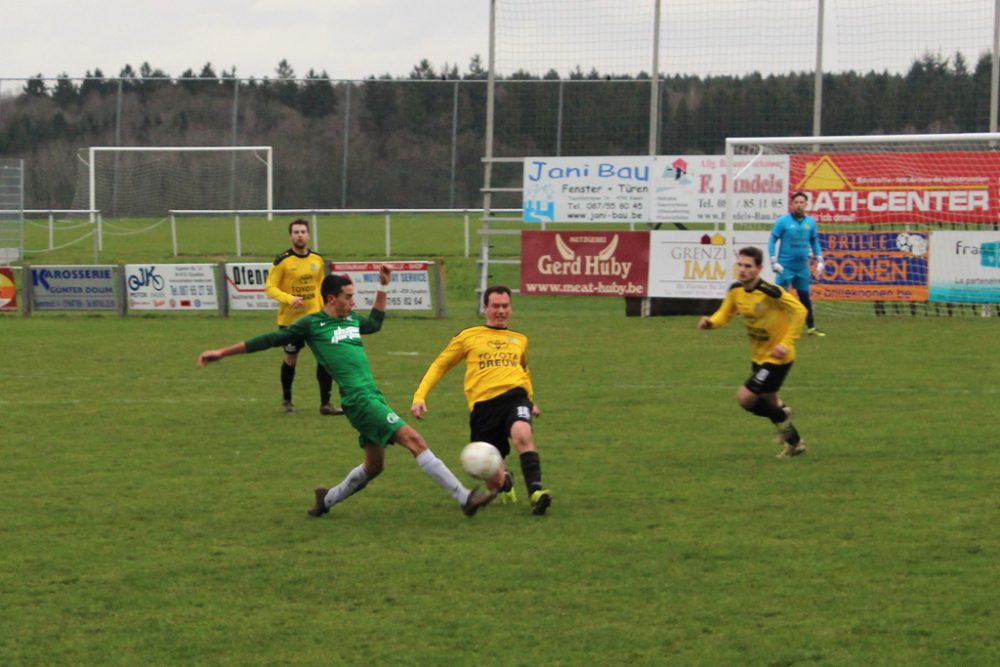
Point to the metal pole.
(388, 234)
(454, 145)
(654, 84)
(818, 80)
(239, 241)
(559, 119)
(343, 167)
(484, 252)
(118, 142)
(52, 231)
(93, 188)
(173, 232)
(232, 160)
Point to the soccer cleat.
(785, 431)
(540, 501)
(287, 406)
(320, 508)
(476, 500)
(813, 331)
(507, 492)
(792, 450)
(329, 409)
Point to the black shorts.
(492, 419)
(766, 378)
(295, 346)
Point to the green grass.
(154, 513)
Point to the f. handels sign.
(584, 263)
(899, 187)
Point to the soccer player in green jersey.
(774, 320)
(334, 335)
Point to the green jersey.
(336, 344)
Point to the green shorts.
(373, 419)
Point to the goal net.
(907, 223)
(141, 182)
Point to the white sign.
(697, 265)
(965, 267)
(693, 188)
(663, 188)
(171, 287)
(409, 288)
(587, 189)
(73, 287)
(245, 283)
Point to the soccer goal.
(908, 224)
(147, 181)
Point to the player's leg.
(523, 438)
(288, 363)
(759, 396)
(487, 423)
(356, 480)
(325, 391)
(801, 282)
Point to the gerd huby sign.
(584, 263)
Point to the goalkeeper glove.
(778, 268)
(819, 268)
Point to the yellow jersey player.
(774, 320)
(294, 281)
(499, 393)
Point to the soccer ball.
(481, 460)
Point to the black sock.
(772, 411)
(287, 375)
(531, 468)
(807, 302)
(325, 384)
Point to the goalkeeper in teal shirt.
(334, 335)
(796, 237)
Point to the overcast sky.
(347, 38)
(351, 39)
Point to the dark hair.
(333, 284)
(800, 194)
(754, 253)
(297, 221)
(495, 289)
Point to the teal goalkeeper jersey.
(336, 344)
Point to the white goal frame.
(267, 151)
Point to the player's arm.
(796, 318)
(772, 245)
(816, 249)
(449, 357)
(373, 323)
(272, 287)
(215, 355)
(725, 312)
(535, 410)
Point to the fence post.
(239, 242)
(52, 231)
(388, 234)
(173, 232)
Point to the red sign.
(8, 290)
(899, 187)
(585, 263)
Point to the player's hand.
(384, 274)
(779, 351)
(778, 268)
(705, 323)
(207, 356)
(418, 409)
(535, 411)
(296, 302)
(819, 268)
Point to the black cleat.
(287, 406)
(320, 508)
(478, 499)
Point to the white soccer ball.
(481, 460)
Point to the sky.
(353, 39)
(347, 38)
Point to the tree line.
(417, 141)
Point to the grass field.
(154, 513)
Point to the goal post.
(908, 223)
(150, 180)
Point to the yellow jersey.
(771, 315)
(293, 276)
(496, 361)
